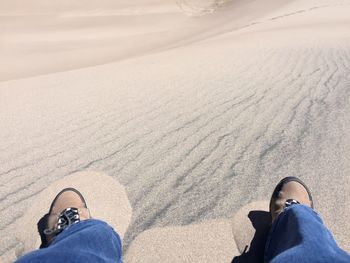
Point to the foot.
(288, 191)
(68, 207)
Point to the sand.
(196, 111)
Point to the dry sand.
(197, 110)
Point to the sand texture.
(196, 110)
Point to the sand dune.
(195, 116)
(73, 37)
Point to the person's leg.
(299, 235)
(68, 234)
(87, 241)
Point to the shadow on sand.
(254, 253)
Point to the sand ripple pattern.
(189, 144)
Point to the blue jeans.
(299, 235)
(87, 241)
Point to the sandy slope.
(196, 117)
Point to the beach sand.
(196, 110)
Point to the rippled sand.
(196, 116)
